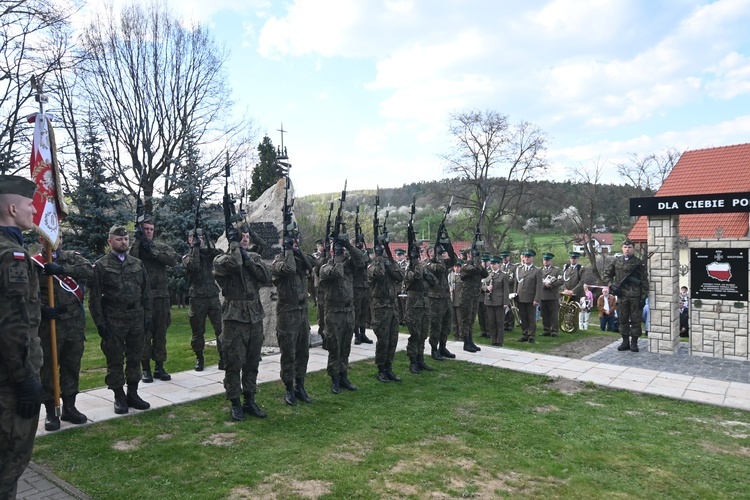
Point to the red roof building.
(706, 171)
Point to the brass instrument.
(568, 315)
(514, 311)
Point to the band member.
(528, 293)
(551, 282)
(572, 274)
(496, 301)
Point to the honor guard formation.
(425, 287)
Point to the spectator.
(607, 310)
(587, 303)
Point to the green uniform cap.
(495, 259)
(14, 184)
(400, 252)
(627, 241)
(459, 262)
(528, 253)
(485, 256)
(548, 256)
(318, 242)
(504, 254)
(118, 230)
(574, 255)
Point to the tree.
(264, 173)
(647, 173)
(153, 81)
(589, 207)
(497, 160)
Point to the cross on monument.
(282, 151)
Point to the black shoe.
(545, 334)
(383, 377)
(523, 339)
(70, 413)
(161, 373)
(446, 353)
(51, 422)
(121, 401)
(335, 385)
(238, 413)
(634, 344)
(625, 343)
(532, 340)
(392, 376)
(344, 382)
(469, 347)
(357, 339)
(251, 408)
(200, 362)
(135, 401)
(300, 392)
(414, 366)
(364, 338)
(553, 334)
(435, 353)
(422, 365)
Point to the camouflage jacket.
(156, 261)
(240, 275)
(20, 350)
(385, 277)
(441, 269)
(337, 281)
(199, 263)
(417, 282)
(636, 286)
(77, 267)
(471, 276)
(289, 275)
(119, 289)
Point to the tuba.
(568, 316)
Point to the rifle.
(386, 239)
(411, 237)
(616, 289)
(230, 213)
(196, 230)
(290, 227)
(442, 231)
(359, 237)
(378, 237)
(477, 242)
(339, 226)
(329, 227)
(139, 208)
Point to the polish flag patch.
(19, 256)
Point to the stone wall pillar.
(664, 330)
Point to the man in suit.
(528, 293)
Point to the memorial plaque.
(719, 273)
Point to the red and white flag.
(48, 200)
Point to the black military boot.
(238, 413)
(335, 385)
(414, 365)
(476, 347)
(200, 361)
(221, 353)
(299, 390)
(134, 400)
(625, 343)
(422, 365)
(634, 344)
(357, 337)
(445, 352)
(70, 413)
(289, 397)
(435, 353)
(251, 408)
(382, 376)
(469, 345)
(147, 377)
(363, 336)
(345, 383)
(121, 401)
(161, 373)
(51, 421)
(389, 373)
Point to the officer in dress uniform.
(496, 301)
(572, 274)
(550, 306)
(527, 293)
(508, 268)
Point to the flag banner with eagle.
(48, 200)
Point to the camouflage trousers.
(293, 336)
(339, 330)
(418, 321)
(441, 312)
(361, 307)
(241, 344)
(200, 309)
(124, 346)
(70, 339)
(456, 321)
(385, 324)
(468, 315)
(155, 341)
(321, 312)
(16, 443)
(629, 315)
(482, 316)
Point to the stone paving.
(690, 378)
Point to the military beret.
(400, 251)
(118, 230)
(627, 241)
(574, 255)
(495, 259)
(14, 184)
(528, 253)
(548, 256)
(504, 254)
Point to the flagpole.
(37, 84)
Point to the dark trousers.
(550, 316)
(527, 314)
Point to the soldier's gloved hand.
(28, 397)
(196, 241)
(439, 249)
(103, 331)
(146, 324)
(245, 255)
(338, 248)
(49, 312)
(474, 253)
(288, 243)
(138, 233)
(233, 235)
(53, 269)
(378, 249)
(145, 246)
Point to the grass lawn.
(462, 431)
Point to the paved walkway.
(690, 378)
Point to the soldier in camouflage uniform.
(417, 282)
(289, 271)
(385, 277)
(361, 297)
(120, 306)
(631, 294)
(70, 319)
(204, 296)
(472, 274)
(336, 280)
(400, 259)
(441, 310)
(156, 257)
(20, 352)
(241, 273)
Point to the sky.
(365, 88)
